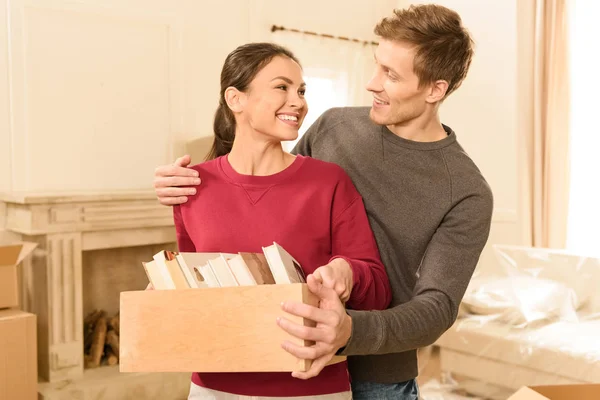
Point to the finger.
(183, 161)
(327, 277)
(309, 312)
(340, 289)
(172, 201)
(324, 293)
(175, 181)
(345, 297)
(175, 191)
(317, 275)
(174, 170)
(301, 331)
(315, 368)
(303, 352)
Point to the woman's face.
(274, 104)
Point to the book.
(208, 275)
(240, 270)
(170, 266)
(196, 259)
(193, 278)
(157, 276)
(173, 270)
(283, 266)
(222, 272)
(191, 261)
(259, 268)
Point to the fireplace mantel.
(65, 225)
(103, 220)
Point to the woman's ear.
(235, 99)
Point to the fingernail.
(195, 173)
(192, 191)
(197, 181)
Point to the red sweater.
(314, 211)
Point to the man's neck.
(421, 129)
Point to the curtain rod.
(275, 28)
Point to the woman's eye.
(282, 87)
(302, 92)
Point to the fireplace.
(90, 249)
(105, 274)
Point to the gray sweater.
(430, 209)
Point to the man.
(428, 204)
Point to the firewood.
(98, 342)
(112, 339)
(87, 340)
(93, 317)
(111, 358)
(90, 317)
(114, 323)
(88, 361)
(89, 325)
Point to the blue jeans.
(385, 391)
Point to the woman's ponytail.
(224, 129)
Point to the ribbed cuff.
(367, 333)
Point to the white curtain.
(584, 209)
(336, 71)
(546, 147)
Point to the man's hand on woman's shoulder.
(174, 182)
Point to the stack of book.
(173, 270)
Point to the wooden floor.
(433, 384)
(107, 383)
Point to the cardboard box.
(18, 355)
(10, 257)
(229, 329)
(558, 392)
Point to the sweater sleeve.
(353, 240)
(443, 276)
(184, 242)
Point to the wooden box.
(230, 329)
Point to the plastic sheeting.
(533, 321)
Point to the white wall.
(102, 91)
(5, 146)
(350, 18)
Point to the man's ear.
(437, 91)
(235, 99)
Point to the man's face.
(397, 98)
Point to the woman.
(253, 193)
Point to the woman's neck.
(250, 156)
